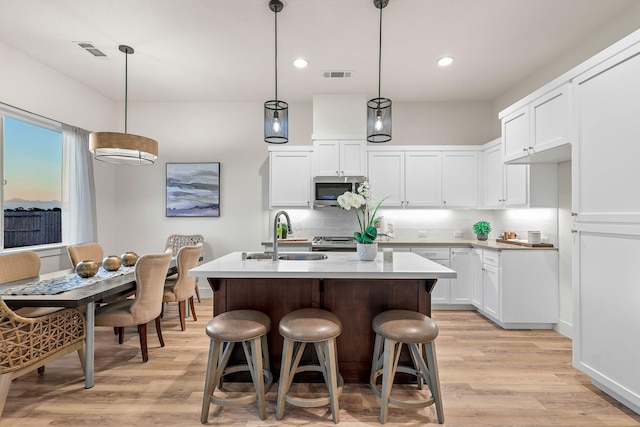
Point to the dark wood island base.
(355, 301)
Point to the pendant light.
(276, 112)
(123, 148)
(379, 109)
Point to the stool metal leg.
(435, 379)
(210, 384)
(254, 356)
(331, 368)
(285, 373)
(391, 356)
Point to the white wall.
(31, 86)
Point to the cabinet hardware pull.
(525, 149)
(573, 230)
(574, 213)
(531, 148)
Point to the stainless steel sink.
(259, 255)
(302, 257)
(311, 256)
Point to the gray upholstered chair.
(150, 274)
(181, 289)
(28, 342)
(85, 251)
(176, 241)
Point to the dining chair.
(181, 289)
(85, 251)
(29, 343)
(150, 274)
(19, 266)
(175, 242)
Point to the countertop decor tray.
(525, 243)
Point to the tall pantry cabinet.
(606, 209)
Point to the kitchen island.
(355, 291)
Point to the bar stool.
(299, 328)
(250, 328)
(398, 327)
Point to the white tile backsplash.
(436, 223)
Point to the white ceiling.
(215, 50)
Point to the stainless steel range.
(320, 243)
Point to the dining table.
(66, 289)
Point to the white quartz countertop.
(338, 265)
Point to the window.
(32, 191)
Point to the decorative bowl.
(129, 259)
(87, 268)
(111, 263)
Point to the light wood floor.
(489, 376)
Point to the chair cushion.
(238, 325)
(310, 325)
(36, 311)
(115, 314)
(405, 326)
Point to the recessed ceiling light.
(300, 63)
(445, 61)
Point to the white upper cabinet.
(415, 178)
(517, 185)
(605, 169)
(339, 158)
(460, 179)
(289, 178)
(423, 178)
(386, 177)
(539, 131)
(515, 134)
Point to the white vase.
(367, 251)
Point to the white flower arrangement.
(361, 202)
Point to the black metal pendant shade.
(379, 109)
(276, 112)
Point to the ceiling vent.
(337, 74)
(89, 47)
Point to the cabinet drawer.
(432, 253)
(491, 258)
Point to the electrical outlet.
(457, 234)
(422, 233)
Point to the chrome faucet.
(275, 231)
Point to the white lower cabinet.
(519, 288)
(477, 288)
(451, 294)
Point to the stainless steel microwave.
(326, 189)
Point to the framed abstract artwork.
(193, 189)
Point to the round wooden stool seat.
(320, 328)
(248, 328)
(405, 326)
(310, 325)
(395, 328)
(238, 325)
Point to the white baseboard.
(565, 328)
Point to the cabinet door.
(492, 291)
(516, 185)
(515, 134)
(423, 178)
(326, 158)
(386, 177)
(605, 165)
(477, 292)
(550, 120)
(460, 179)
(493, 177)
(441, 293)
(290, 179)
(461, 286)
(353, 158)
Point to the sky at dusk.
(32, 162)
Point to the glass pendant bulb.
(378, 124)
(276, 123)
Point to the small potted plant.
(482, 230)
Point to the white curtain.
(82, 198)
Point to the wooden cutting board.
(525, 243)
